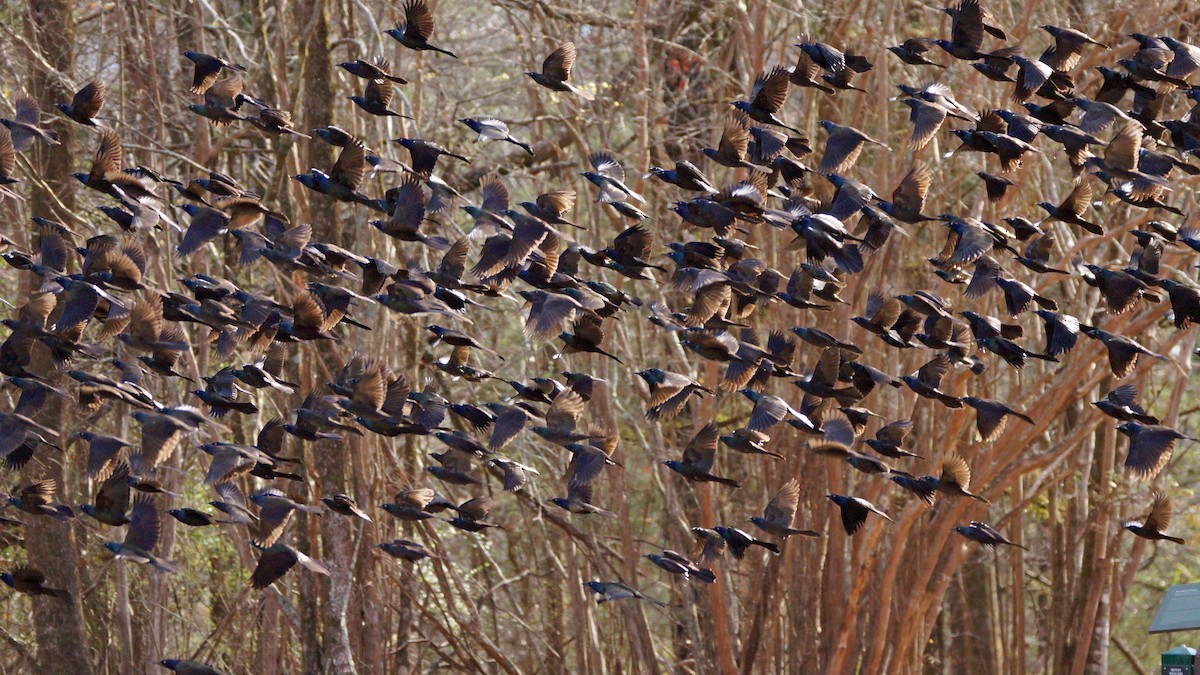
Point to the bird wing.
(1125, 147)
(273, 564)
(607, 166)
(557, 201)
(955, 471)
(701, 452)
(735, 137)
(558, 64)
(113, 495)
(770, 89)
(379, 91)
(107, 160)
(1160, 514)
(565, 411)
(895, 432)
(418, 20)
(351, 165)
(966, 30)
(781, 510)
(89, 100)
(144, 522)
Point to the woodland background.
(909, 597)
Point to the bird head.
(397, 33)
(744, 106)
(81, 177)
(112, 546)
(652, 375)
(88, 509)
(964, 530)
(560, 502)
(750, 394)
(597, 586)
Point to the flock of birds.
(93, 303)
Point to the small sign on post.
(1179, 610)
(1179, 661)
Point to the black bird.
(345, 505)
(86, 103)
(30, 580)
(276, 560)
(854, 511)
(207, 68)
(992, 416)
(411, 504)
(1150, 447)
(918, 486)
(471, 515)
(371, 71)
(955, 479)
(613, 590)
(424, 154)
(416, 28)
(556, 72)
(767, 97)
(492, 129)
(410, 204)
(1123, 352)
(966, 31)
(185, 667)
(927, 381)
(686, 176)
(889, 439)
(586, 336)
(1155, 524)
(142, 537)
(1121, 403)
(25, 124)
(514, 475)
(779, 513)
(738, 541)
(112, 498)
(404, 549)
(609, 176)
(912, 51)
(677, 564)
(377, 96)
(1073, 208)
(698, 458)
(985, 534)
(193, 518)
(842, 147)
